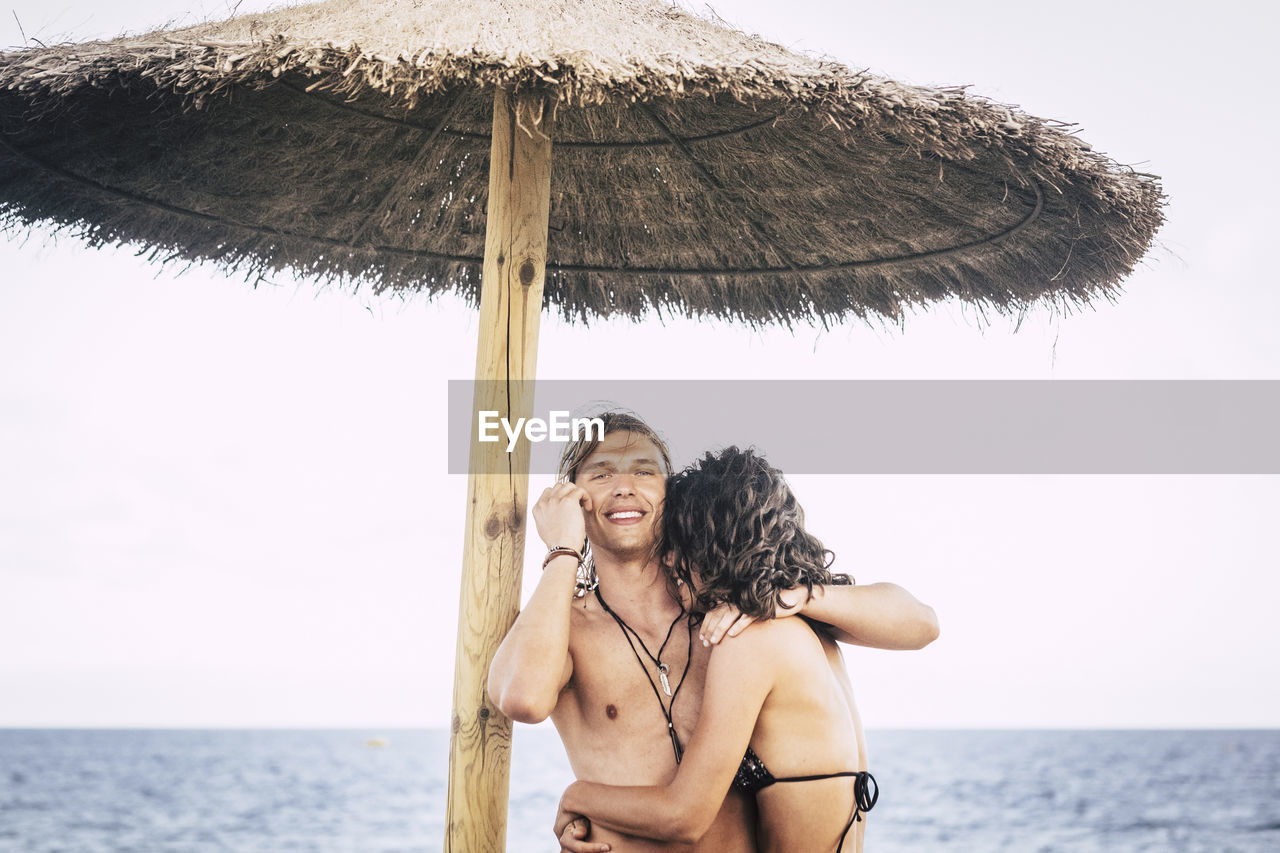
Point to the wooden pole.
(515, 254)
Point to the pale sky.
(221, 506)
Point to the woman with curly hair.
(778, 717)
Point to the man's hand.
(558, 515)
(728, 621)
(572, 831)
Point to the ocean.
(304, 790)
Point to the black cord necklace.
(663, 669)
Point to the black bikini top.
(753, 776)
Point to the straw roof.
(696, 169)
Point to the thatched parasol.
(698, 171)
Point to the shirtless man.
(602, 675)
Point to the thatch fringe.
(697, 170)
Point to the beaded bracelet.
(586, 576)
(557, 551)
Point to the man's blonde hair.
(577, 451)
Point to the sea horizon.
(382, 789)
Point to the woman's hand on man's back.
(728, 621)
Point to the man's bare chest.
(618, 699)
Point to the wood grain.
(506, 360)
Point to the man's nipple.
(611, 711)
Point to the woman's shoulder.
(781, 638)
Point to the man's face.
(627, 484)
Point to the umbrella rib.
(484, 137)
(758, 272)
(869, 263)
(222, 220)
(712, 181)
(419, 159)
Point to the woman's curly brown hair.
(731, 522)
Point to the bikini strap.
(848, 826)
(817, 776)
(865, 794)
(865, 789)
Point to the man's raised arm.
(533, 663)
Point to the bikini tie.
(865, 793)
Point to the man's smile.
(624, 516)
